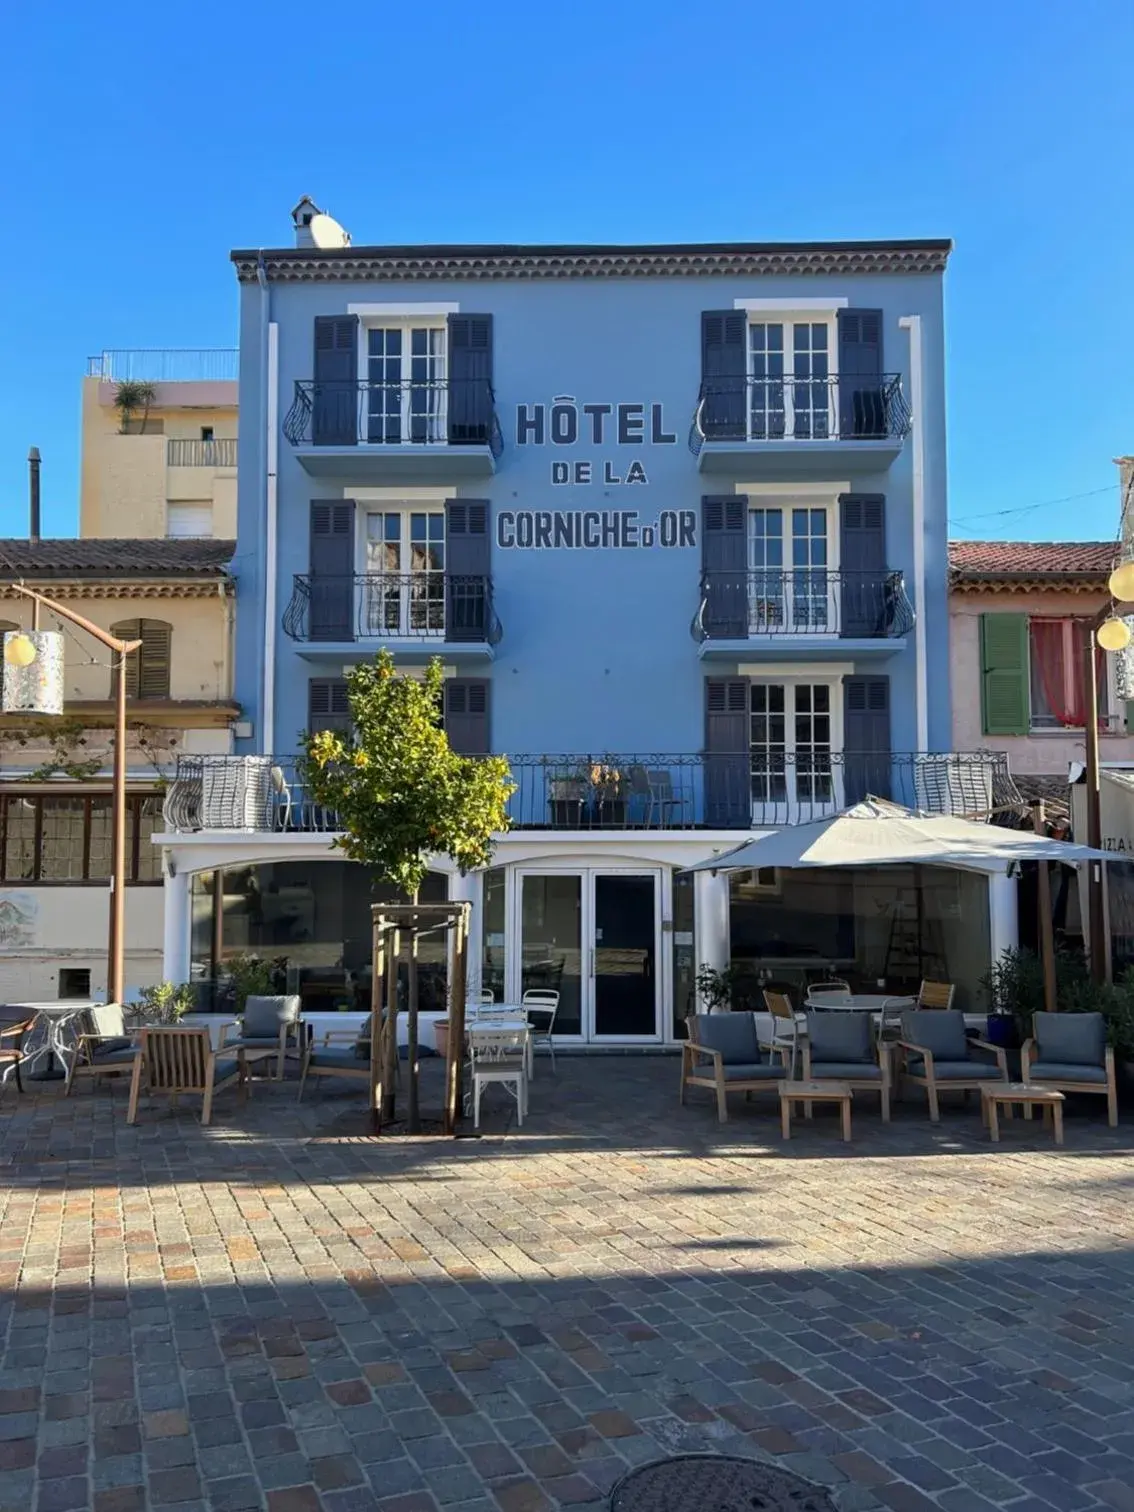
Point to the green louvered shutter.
(1004, 674)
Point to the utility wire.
(1043, 504)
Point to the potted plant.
(567, 799)
(441, 1037)
(129, 398)
(164, 1003)
(716, 986)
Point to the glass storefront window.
(314, 919)
(492, 928)
(684, 958)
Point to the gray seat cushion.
(118, 1057)
(338, 1059)
(941, 1031)
(1067, 1071)
(225, 1067)
(757, 1071)
(113, 1046)
(846, 1071)
(1071, 1038)
(246, 1043)
(955, 1070)
(841, 1036)
(265, 1016)
(733, 1034)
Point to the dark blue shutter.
(862, 410)
(335, 400)
(728, 762)
(332, 570)
(724, 366)
(466, 715)
(470, 380)
(863, 598)
(866, 738)
(724, 562)
(328, 707)
(466, 569)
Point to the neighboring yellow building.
(164, 465)
(175, 596)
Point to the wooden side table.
(808, 1092)
(1029, 1095)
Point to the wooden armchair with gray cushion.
(340, 1052)
(841, 1046)
(104, 1046)
(723, 1053)
(1068, 1051)
(937, 1055)
(265, 1031)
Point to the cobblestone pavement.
(278, 1313)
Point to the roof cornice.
(1026, 582)
(695, 260)
(122, 587)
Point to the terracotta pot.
(441, 1037)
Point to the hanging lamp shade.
(1113, 635)
(1121, 583)
(1124, 667)
(33, 672)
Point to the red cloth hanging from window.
(1063, 686)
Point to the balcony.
(166, 365)
(195, 453)
(641, 791)
(429, 612)
(809, 612)
(814, 429)
(441, 432)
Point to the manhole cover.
(712, 1483)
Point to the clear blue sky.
(140, 145)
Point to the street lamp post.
(1109, 631)
(16, 648)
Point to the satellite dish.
(327, 233)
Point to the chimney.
(301, 218)
(33, 494)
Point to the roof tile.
(107, 557)
(1030, 559)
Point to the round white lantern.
(33, 672)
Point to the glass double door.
(593, 936)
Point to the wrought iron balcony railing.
(220, 452)
(802, 601)
(447, 607)
(167, 365)
(800, 409)
(619, 791)
(440, 412)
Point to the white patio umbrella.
(879, 833)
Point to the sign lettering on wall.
(592, 529)
(566, 423)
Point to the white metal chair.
(541, 1005)
(785, 1037)
(488, 997)
(498, 1056)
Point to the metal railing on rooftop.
(166, 365)
(220, 452)
(620, 791)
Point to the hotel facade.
(673, 519)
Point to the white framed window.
(404, 567)
(405, 366)
(1056, 684)
(793, 740)
(791, 365)
(790, 586)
